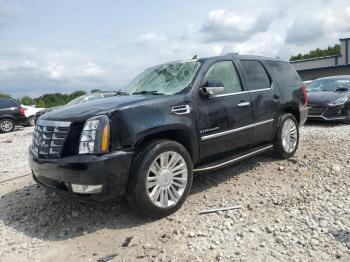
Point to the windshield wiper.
(152, 92)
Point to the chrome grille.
(48, 138)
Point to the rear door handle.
(243, 104)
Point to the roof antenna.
(195, 57)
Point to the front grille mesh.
(317, 109)
(49, 137)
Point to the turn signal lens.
(104, 142)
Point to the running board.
(225, 162)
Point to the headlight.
(94, 138)
(338, 101)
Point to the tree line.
(331, 50)
(48, 100)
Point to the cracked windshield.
(167, 79)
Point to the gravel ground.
(292, 210)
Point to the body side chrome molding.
(247, 92)
(234, 160)
(203, 138)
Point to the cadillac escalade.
(172, 120)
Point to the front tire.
(161, 178)
(287, 138)
(7, 125)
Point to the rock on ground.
(292, 210)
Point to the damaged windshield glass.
(167, 79)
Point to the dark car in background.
(78, 100)
(11, 114)
(328, 99)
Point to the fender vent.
(181, 110)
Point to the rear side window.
(4, 103)
(285, 73)
(256, 75)
(226, 73)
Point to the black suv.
(11, 114)
(179, 118)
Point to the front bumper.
(327, 113)
(111, 171)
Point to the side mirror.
(212, 87)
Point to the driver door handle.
(243, 104)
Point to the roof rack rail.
(233, 53)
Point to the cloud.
(319, 27)
(58, 70)
(110, 63)
(9, 13)
(152, 38)
(224, 25)
(348, 11)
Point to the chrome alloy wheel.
(289, 135)
(167, 179)
(6, 126)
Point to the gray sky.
(63, 46)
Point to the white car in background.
(30, 112)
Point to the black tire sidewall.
(142, 164)
(278, 141)
(7, 119)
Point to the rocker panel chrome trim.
(234, 160)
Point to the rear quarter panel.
(288, 82)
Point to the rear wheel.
(287, 138)
(7, 125)
(162, 179)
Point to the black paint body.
(136, 119)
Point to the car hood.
(324, 97)
(83, 111)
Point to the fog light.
(86, 189)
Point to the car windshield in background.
(328, 85)
(76, 100)
(167, 79)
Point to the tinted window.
(4, 103)
(256, 75)
(285, 72)
(226, 73)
